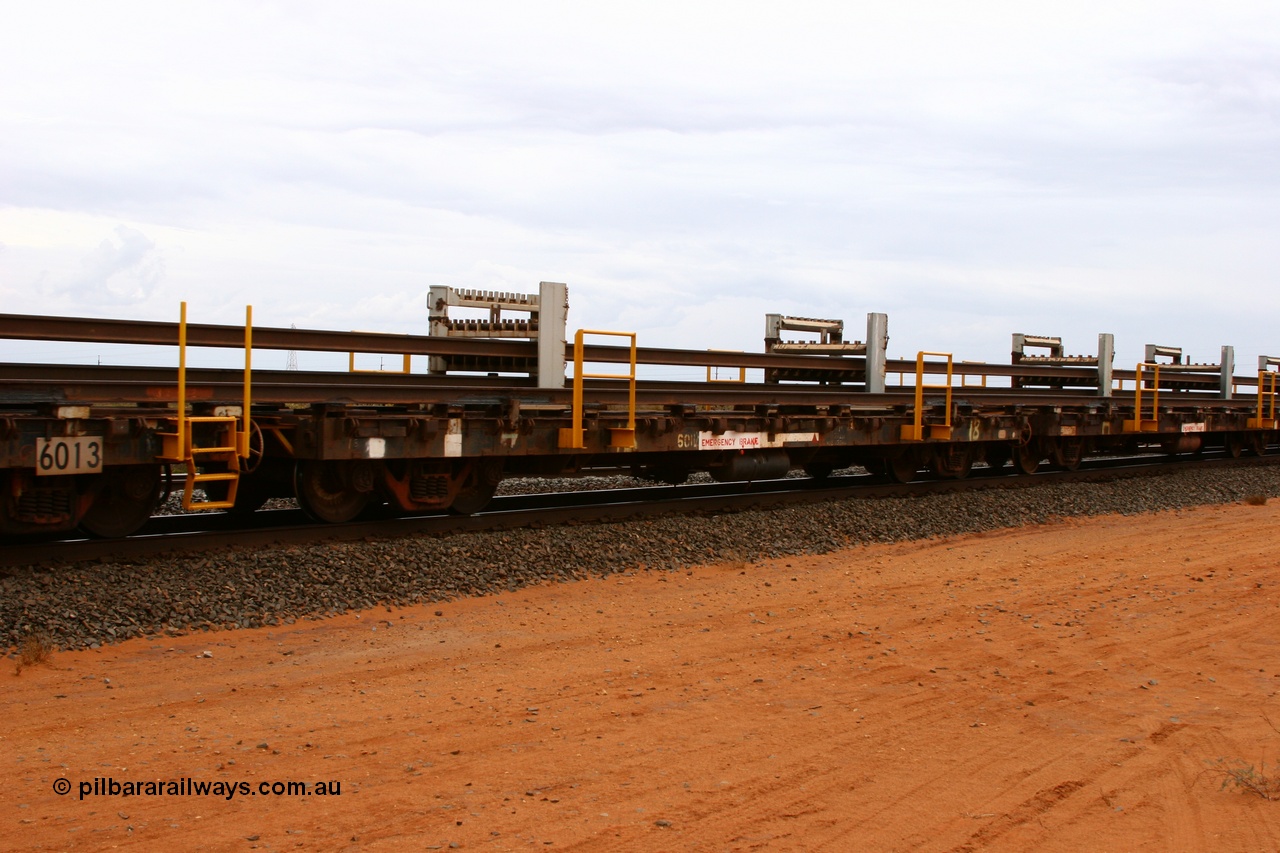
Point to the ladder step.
(215, 478)
(195, 450)
(201, 505)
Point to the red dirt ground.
(1072, 686)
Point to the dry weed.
(35, 648)
(1247, 778)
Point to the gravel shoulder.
(99, 603)
(1078, 683)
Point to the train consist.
(507, 394)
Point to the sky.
(971, 169)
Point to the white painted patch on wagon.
(453, 438)
(752, 440)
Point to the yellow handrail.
(915, 430)
(742, 371)
(741, 375)
(1139, 423)
(243, 443)
(182, 378)
(964, 377)
(1266, 418)
(407, 368)
(575, 439)
(179, 450)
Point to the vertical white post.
(438, 314)
(553, 314)
(1106, 353)
(1228, 372)
(877, 346)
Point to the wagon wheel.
(819, 470)
(902, 467)
(481, 481)
(125, 499)
(1026, 457)
(1256, 441)
(325, 491)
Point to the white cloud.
(969, 168)
(124, 269)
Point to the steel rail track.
(159, 333)
(168, 535)
(130, 385)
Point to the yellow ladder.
(225, 450)
(1266, 418)
(230, 442)
(915, 431)
(622, 438)
(1138, 423)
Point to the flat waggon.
(96, 447)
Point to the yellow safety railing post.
(230, 442)
(1266, 414)
(248, 381)
(964, 378)
(914, 431)
(173, 444)
(1155, 396)
(577, 391)
(631, 407)
(1139, 423)
(406, 365)
(1137, 402)
(742, 371)
(182, 379)
(574, 438)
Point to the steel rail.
(357, 392)
(31, 374)
(35, 384)
(160, 333)
(579, 507)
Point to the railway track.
(208, 532)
